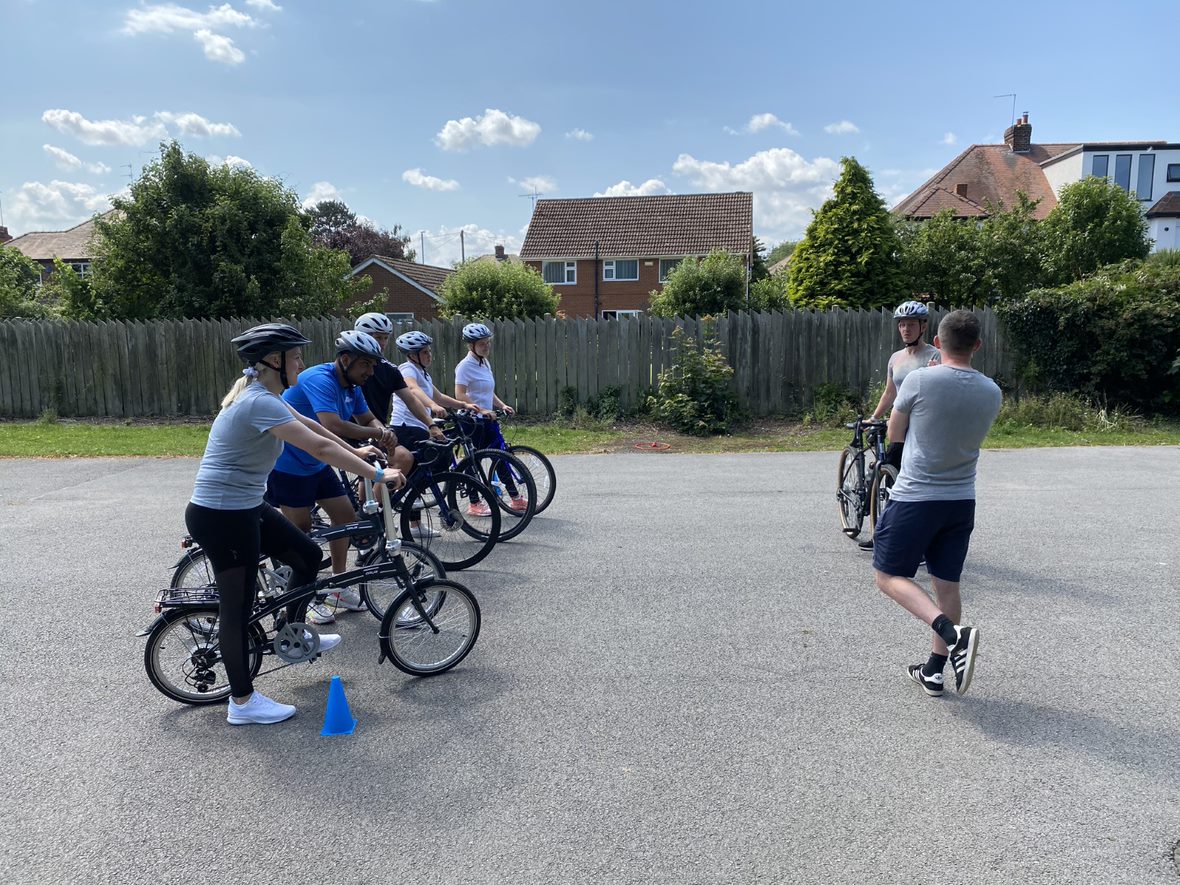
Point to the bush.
(1063, 411)
(693, 395)
(497, 290)
(835, 404)
(1113, 337)
(1094, 223)
(713, 285)
(770, 293)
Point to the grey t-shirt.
(240, 453)
(903, 362)
(951, 411)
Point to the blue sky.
(438, 114)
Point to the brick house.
(605, 255)
(996, 173)
(74, 246)
(412, 288)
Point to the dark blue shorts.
(940, 531)
(291, 490)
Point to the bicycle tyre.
(487, 465)
(883, 479)
(416, 648)
(460, 544)
(849, 492)
(195, 630)
(378, 595)
(543, 475)
(195, 570)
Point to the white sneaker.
(318, 613)
(346, 600)
(424, 532)
(329, 641)
(259, 710)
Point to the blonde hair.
(239, 386)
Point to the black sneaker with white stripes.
(962, 656)
(932, 685)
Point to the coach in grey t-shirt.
(943, 413)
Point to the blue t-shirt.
(240, 452)
(317, 390)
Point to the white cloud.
(197, 126)
(218, 47)
(443, 247)
(950, 138)
(625, 188)
(580, 135)
(137, 131)
(54, 206)
(134, 132)
(540, 183)
(65, 160)
(320, 191)
(418, 178)
(786, 186)
(844, 127)
(264, 5)
(231, 160)
(761, 122)
(492, 128)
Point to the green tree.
(851, 254)
(708, 286)
(759, 269)
(1011, 241)
(783, 250)
(195, 240)
(1095, 222)
(770, 293)
(943, 260)
(335, 226)
(497, 290)
(20, 292)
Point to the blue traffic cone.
(338, 717)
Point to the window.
(559, 273)
(619, 269)
(1146, 174)
(667, 265)
(619, 314)
(1101, 166)
(81, 268)
(404, 317)
(1174, 172)
(1122, 171)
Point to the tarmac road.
(685, 675)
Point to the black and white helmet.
(476, 332)
(412, 342)
(255, 343)
(374, 322)
(360, 344)
(911, 310)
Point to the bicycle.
(537, 464)
(500, 470)
(863, 489)
(431, 627)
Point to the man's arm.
(888, 395)
(899, 423)
(369, 427)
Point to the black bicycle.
(863, 478)
(431, 626)
(537, 464)
(513, 484)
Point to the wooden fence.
(183, 367)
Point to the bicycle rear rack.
(176, 597)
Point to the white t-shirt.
(401, 412)
(481, 383)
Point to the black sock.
(945, 629)
(935, 664)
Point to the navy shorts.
(292, 490)
(940, 531)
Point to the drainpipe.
(596, 275)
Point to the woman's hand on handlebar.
(394, 478)
(508, 410)
(370, 453)
(438, 411)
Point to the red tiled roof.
(937, 199)
(666, 226)
(425, 275)
(69, 245)
(1167, 206)
(993, 172)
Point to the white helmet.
(358, 344)
(374, 323)
(476, 332)
(915, 309)
(412, 342)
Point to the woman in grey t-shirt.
(227, 515)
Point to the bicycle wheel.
(883, 479)
(542, 470)
(183, 656)
(448, 530)
(504, 474)
(423, 647)
(850, 491)
(195, 570)
(379, 594)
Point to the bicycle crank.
(296, 643)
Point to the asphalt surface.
(685, 675)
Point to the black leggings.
(235, 540)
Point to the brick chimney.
(5, 236)
(1018, 136)
(499, 253)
